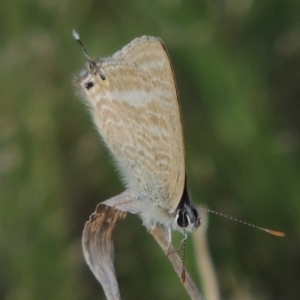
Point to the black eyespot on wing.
(89, 85)
(102, 76)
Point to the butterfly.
(134, 102)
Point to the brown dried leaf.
(98, 250)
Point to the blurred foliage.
(237, 65)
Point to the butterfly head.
(188, 218)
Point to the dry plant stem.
(204, 261)
(98, 247)
(160, 236)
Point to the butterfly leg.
(185, 235)
(169, 238)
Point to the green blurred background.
(237, 64)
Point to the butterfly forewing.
(135, 108)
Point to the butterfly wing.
(134, 102)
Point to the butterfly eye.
(195, 214)
(182, 218)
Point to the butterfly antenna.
(270, 231)
(183, 258)
(77, 38)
